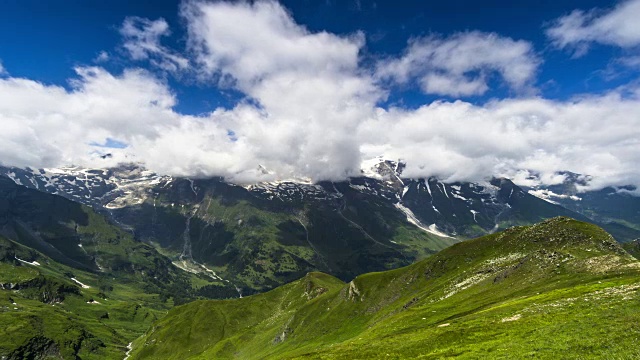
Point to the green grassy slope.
(43, 312)
(46, 241)
(559, 287)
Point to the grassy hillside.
(45, 312)
(559, 287)
(51, 309)
(73, 285)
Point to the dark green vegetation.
(258, 243)
(43, 312)
(72, 285)
(633, 248)
(76, 236)
(561, 288)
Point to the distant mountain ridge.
(130, 185)
(262, 235)
(615, 206)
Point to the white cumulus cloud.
(459, 141)
(46, 125)
(311, 96)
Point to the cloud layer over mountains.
(312, 109)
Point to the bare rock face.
(353, 293)
(45, 348)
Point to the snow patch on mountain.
(291, 191)
(81, 284)
(112, 188)
(370, 167)
(474, 214)
(34, 263)
(411, 217)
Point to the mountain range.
(259, 236)
(90, 259)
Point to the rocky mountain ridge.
(130, 185)
(262, 235)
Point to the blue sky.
(46, 40)
(461, 90)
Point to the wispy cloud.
(618, 26)
(102, 57)
(460, 65)
(141, 40)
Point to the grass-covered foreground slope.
(561, 288)
(50, 310)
